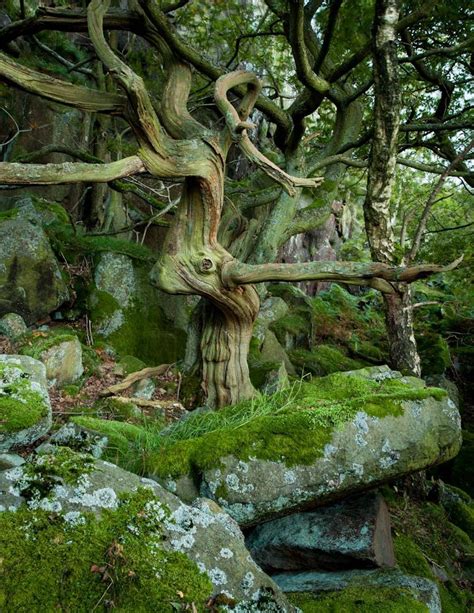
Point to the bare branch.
(431, 201)
(48, 87)
(12, 173)
(376, 275)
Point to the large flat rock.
(331, 438)
(423, 590)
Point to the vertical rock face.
(125, 309)
(25, 410)
(31, 284)
(352, 534)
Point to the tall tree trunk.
(225, 345)
(382, 166)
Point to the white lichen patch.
(74, 518)
(362, 428)
(226, 553)
(217, 576)
(248, 581)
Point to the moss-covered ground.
(359, 600)
(77, 562)
(293, 425)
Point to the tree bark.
(401, 338)
(382, 166)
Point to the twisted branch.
(237, 126)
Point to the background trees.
(313, 117)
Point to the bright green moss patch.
(20, 406)
(19, 414)
(426, 539)
(80, 563)
(323, 360)
(129, 445)
(359, 599)
(410, 558)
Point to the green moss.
(35, 345)
(434, 353)
(293, 425)
(20, 406)
(140, 330)
(425, 538)
(462, 468)
(410, 558)
(121, 437)
(44, 471)
(130, 364)
(92, 564)
(359, 599)
(462, 515)
(295, 324)
(453, 599)
(16, 415)
(323, 360)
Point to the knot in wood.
(207, 265)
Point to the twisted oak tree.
(172, 144)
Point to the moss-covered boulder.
(311, 444)
(125, 311)
(87, 535)
(31, 283)
(323, 360)
(365, 591)
(25, 410)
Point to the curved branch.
(48, 87)
(296, 39)
(12, 173)
(376, 275)
(122, 186)
(144, 116)
(238, 128)
(67, 20)
(174, 111)
(196, 59)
